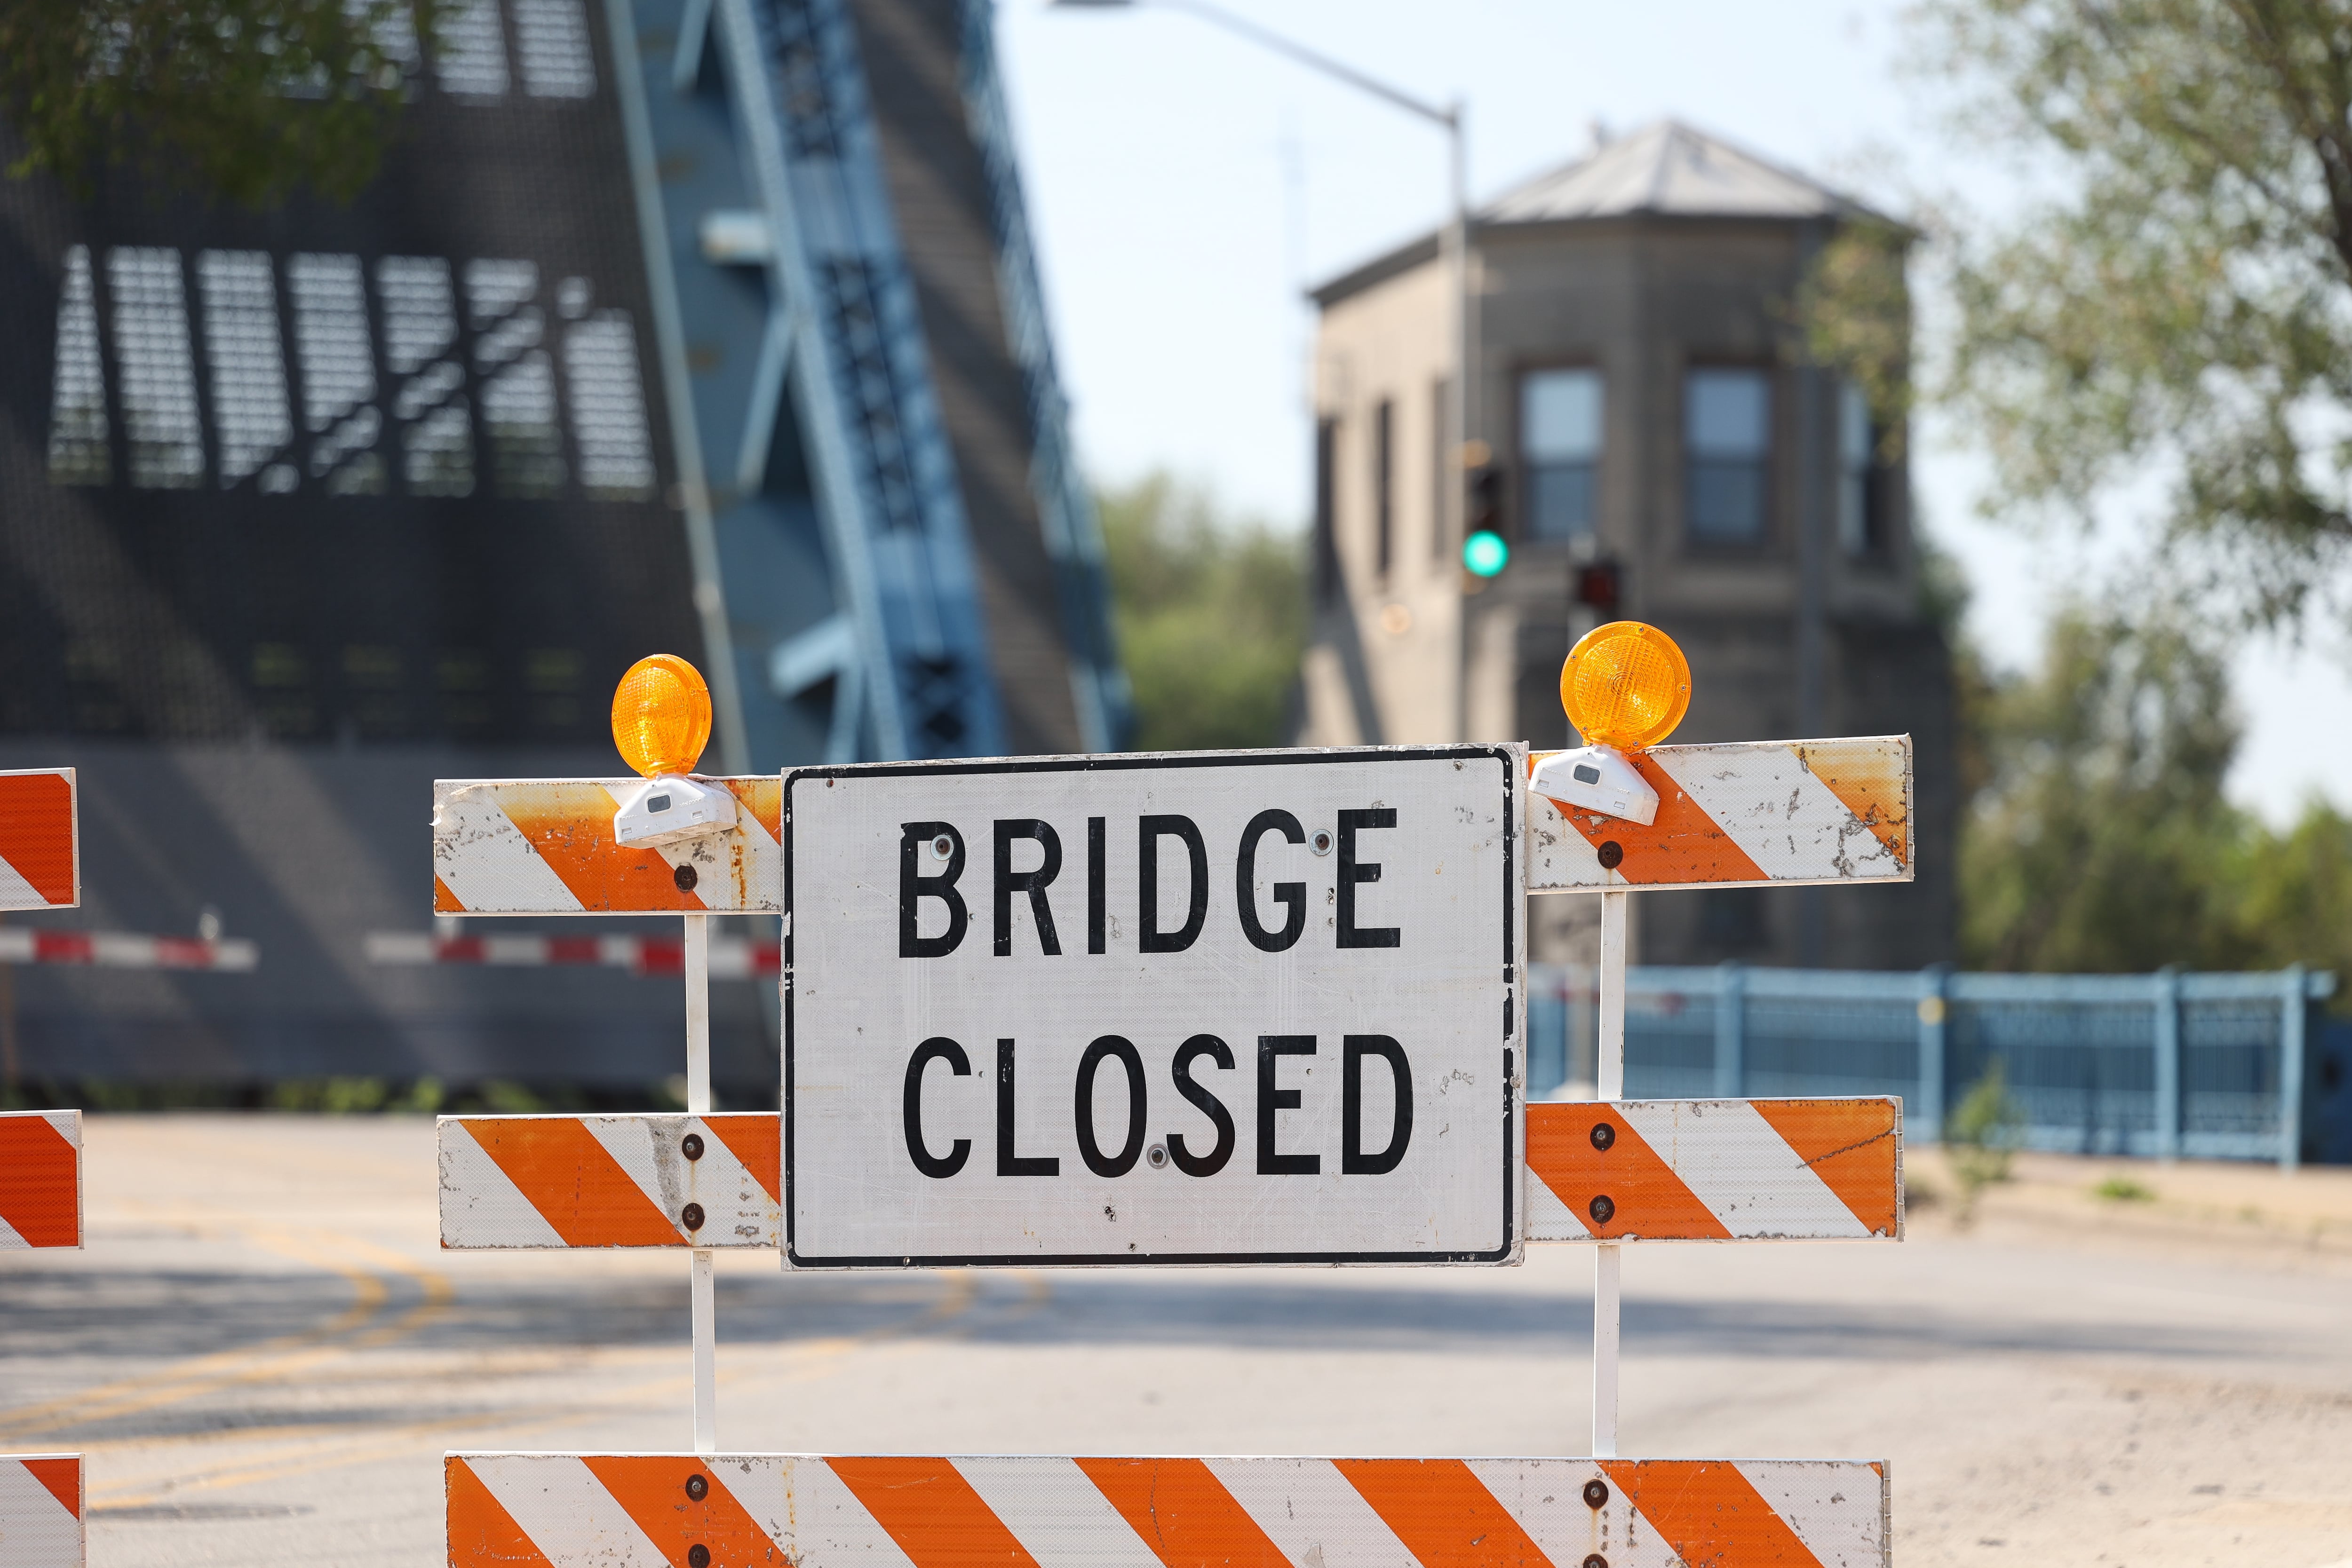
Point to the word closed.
(1216, 1007)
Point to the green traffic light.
(1484, 554)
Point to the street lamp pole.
(1455, 247)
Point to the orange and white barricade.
(1756, 814)
(41, 1510)
(40, 849)
(40, 1179)
(610, 1181)
(40, 1151)
(1716, 1170)
(616, 1510)
(546, 846)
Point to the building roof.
(1667, 169)
(1672, 168)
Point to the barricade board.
(40, 1179)
(545, 846)
(1715, 1170)
(41, 1510)
(1754, 814)
(562, 1181)
(40, 841)
(616, 1511)
(1214, 1007)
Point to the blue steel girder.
(810, 448)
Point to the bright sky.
(1186, 185)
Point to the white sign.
(1209, 1008)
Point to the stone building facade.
(1648, 419)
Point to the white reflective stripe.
(630, 1140)
(808, 1511)
(1836, 1509)
(565, 1511)
(17, 893)
(36, 1530)
(482, 858)
(481, 1207)
(66, 1123)
(11, 1239)
(1744, 1172)
(1549, 1218)
(1558, 855)
(1056, 1512)
(1789, 822)
(1546, 1499)
(1311, 1511)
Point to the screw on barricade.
(41, 1502)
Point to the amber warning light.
(1625, 686)
(661, 721)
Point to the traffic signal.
(1601, 584)
(1485, 515)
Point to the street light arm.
(1231, 23)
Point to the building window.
(1726, 447)
(1559, 443)
(1862, 523)
(1326, 540)
(1384, 484)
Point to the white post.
(1609, 1065)
(697, 1102)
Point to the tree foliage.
(2102, 840)
(2181, 300)
(1212, 615)
(247, 99)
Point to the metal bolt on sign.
(1131, 1009)
(41, 1502)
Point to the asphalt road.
(263, 1352)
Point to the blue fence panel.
(2209, 1066)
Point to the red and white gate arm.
(40, 840)
(40, 1510)
(1715, 1170)
(40, 1184)
(610, 1181)
(559, 1511)
(1754, 814)
(125, 950)
(545, 846)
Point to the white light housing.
(1597, 779)
(671, 808)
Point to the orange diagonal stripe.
(1869, 778)
(931, 1512)
(482, 1533)
(1183, 1513)
(651, 1488)
(559, 1165)
(1444, 1513)
(1650, 1201)
(1706, 1512)
(444, 901)
(37, 1182)
(1849, 1144)
(571, 826)
(62, 1477)
(756, 1138)
(1685, 844)
(37, 833)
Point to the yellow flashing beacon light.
(661, 721)
(1625, 686)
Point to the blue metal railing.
(2205, 1066)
